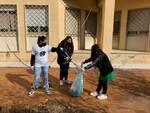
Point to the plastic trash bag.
(77, 86)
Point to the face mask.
(68, 44)
(44, 44)
(40, 45)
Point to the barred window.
(72, 21)
(8, 28)
(138, 21)
(91, 24)
(36, 22)
(8, 20)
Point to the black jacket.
(102, 62)
(64, 51)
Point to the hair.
(95, 47)
(41, 38)
(67, 38)
(63, 42)
(95, 50)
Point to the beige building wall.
(56, 26)
(105, 9)
(21, 38)
(129, 57)
(124, 6)
(105, 36)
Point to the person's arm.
(87, 60)
(54, 49)
(93, 63)
(62, 52)
(32, 61)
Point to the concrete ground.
(128, 93)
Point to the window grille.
(72, 22)
(8, 21)
(138, 21)
(36, 19)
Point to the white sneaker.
(61, 83)
(47, 92)
(31, 93)
(102, 97)
(68, 81)
(94, 94)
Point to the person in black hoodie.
(65, 51)
(100, 60)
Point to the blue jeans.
(37, 73)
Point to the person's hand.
(83, 69)
(32, 68)
(67, 58)
(82, 63)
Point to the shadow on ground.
(18, 79)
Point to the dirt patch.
(129, 92)
(132, 83)
(51, 106)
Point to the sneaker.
(61, 83)
(31, 93)
(94, 94)
(47, 92)
(102, 97)
(68, 82)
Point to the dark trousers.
(64, 71)
(102, 84)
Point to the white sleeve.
(49, 48)
(33, 50)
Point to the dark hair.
(64, 42)
(41, 38)
(68, 37)
(95, 50)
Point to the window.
(8, 28)
(8, 20)
(91, 24)
(138, 21)
(117, 21)
(138, 29)
(36, 20)
(72, 22)
(116, 32)
(90, 29)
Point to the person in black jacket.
(65, 51)
(100, 60)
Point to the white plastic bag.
(77, 86)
